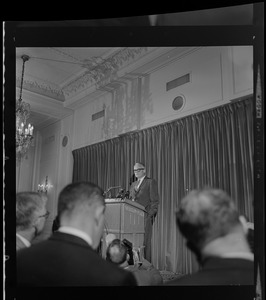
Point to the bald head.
(117, 252)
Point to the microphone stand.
(109, 189)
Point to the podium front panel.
(126, 220)
(133, 219)
(113, 218)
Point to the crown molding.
(45, 105)
(147, 57)
(121, 64)
(42, 88)
(105, 71)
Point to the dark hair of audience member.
(78, 192)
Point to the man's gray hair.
(206, 214)
(28, 205)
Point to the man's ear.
(243, 221)
(99, 214)
(36, 221)
(128, 257)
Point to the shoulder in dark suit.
(220, 271)
(67, 260)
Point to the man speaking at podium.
(145, 192)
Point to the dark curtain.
(212, 148)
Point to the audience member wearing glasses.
(145, 192)
(31, 215)
(69, 257)
(118, 253)
(209, 221)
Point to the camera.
(128, 244)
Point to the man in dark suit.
(68, 257)
(145, 192)
(209, 221)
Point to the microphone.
(109, 189)
(126, 194)
(120, 194)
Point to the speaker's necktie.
(137, 185)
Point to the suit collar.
(223, 262)
(141, 183)
(76, 232)
(69, 238)
(244, 255)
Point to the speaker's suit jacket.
(147, 195)
(67, 260)
(220, 271)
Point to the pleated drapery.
(212, 148)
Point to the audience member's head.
(31, 214)
(81, 205)
(117, 253)
(209, 221)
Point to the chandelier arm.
(24, 58)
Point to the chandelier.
(43, 188)
(24, 132)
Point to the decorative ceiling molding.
(100, 72)
(145, 63)
(105, 71)
(42, 89)
(46, 105)
(88, 63)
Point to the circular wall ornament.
(178, 103)
(64, 141)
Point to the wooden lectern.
(125, 219)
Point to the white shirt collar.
(244, 255)
(140, 180)
(24, 241)
(76, 232)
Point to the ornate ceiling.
(55, 72)
(57, 80)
